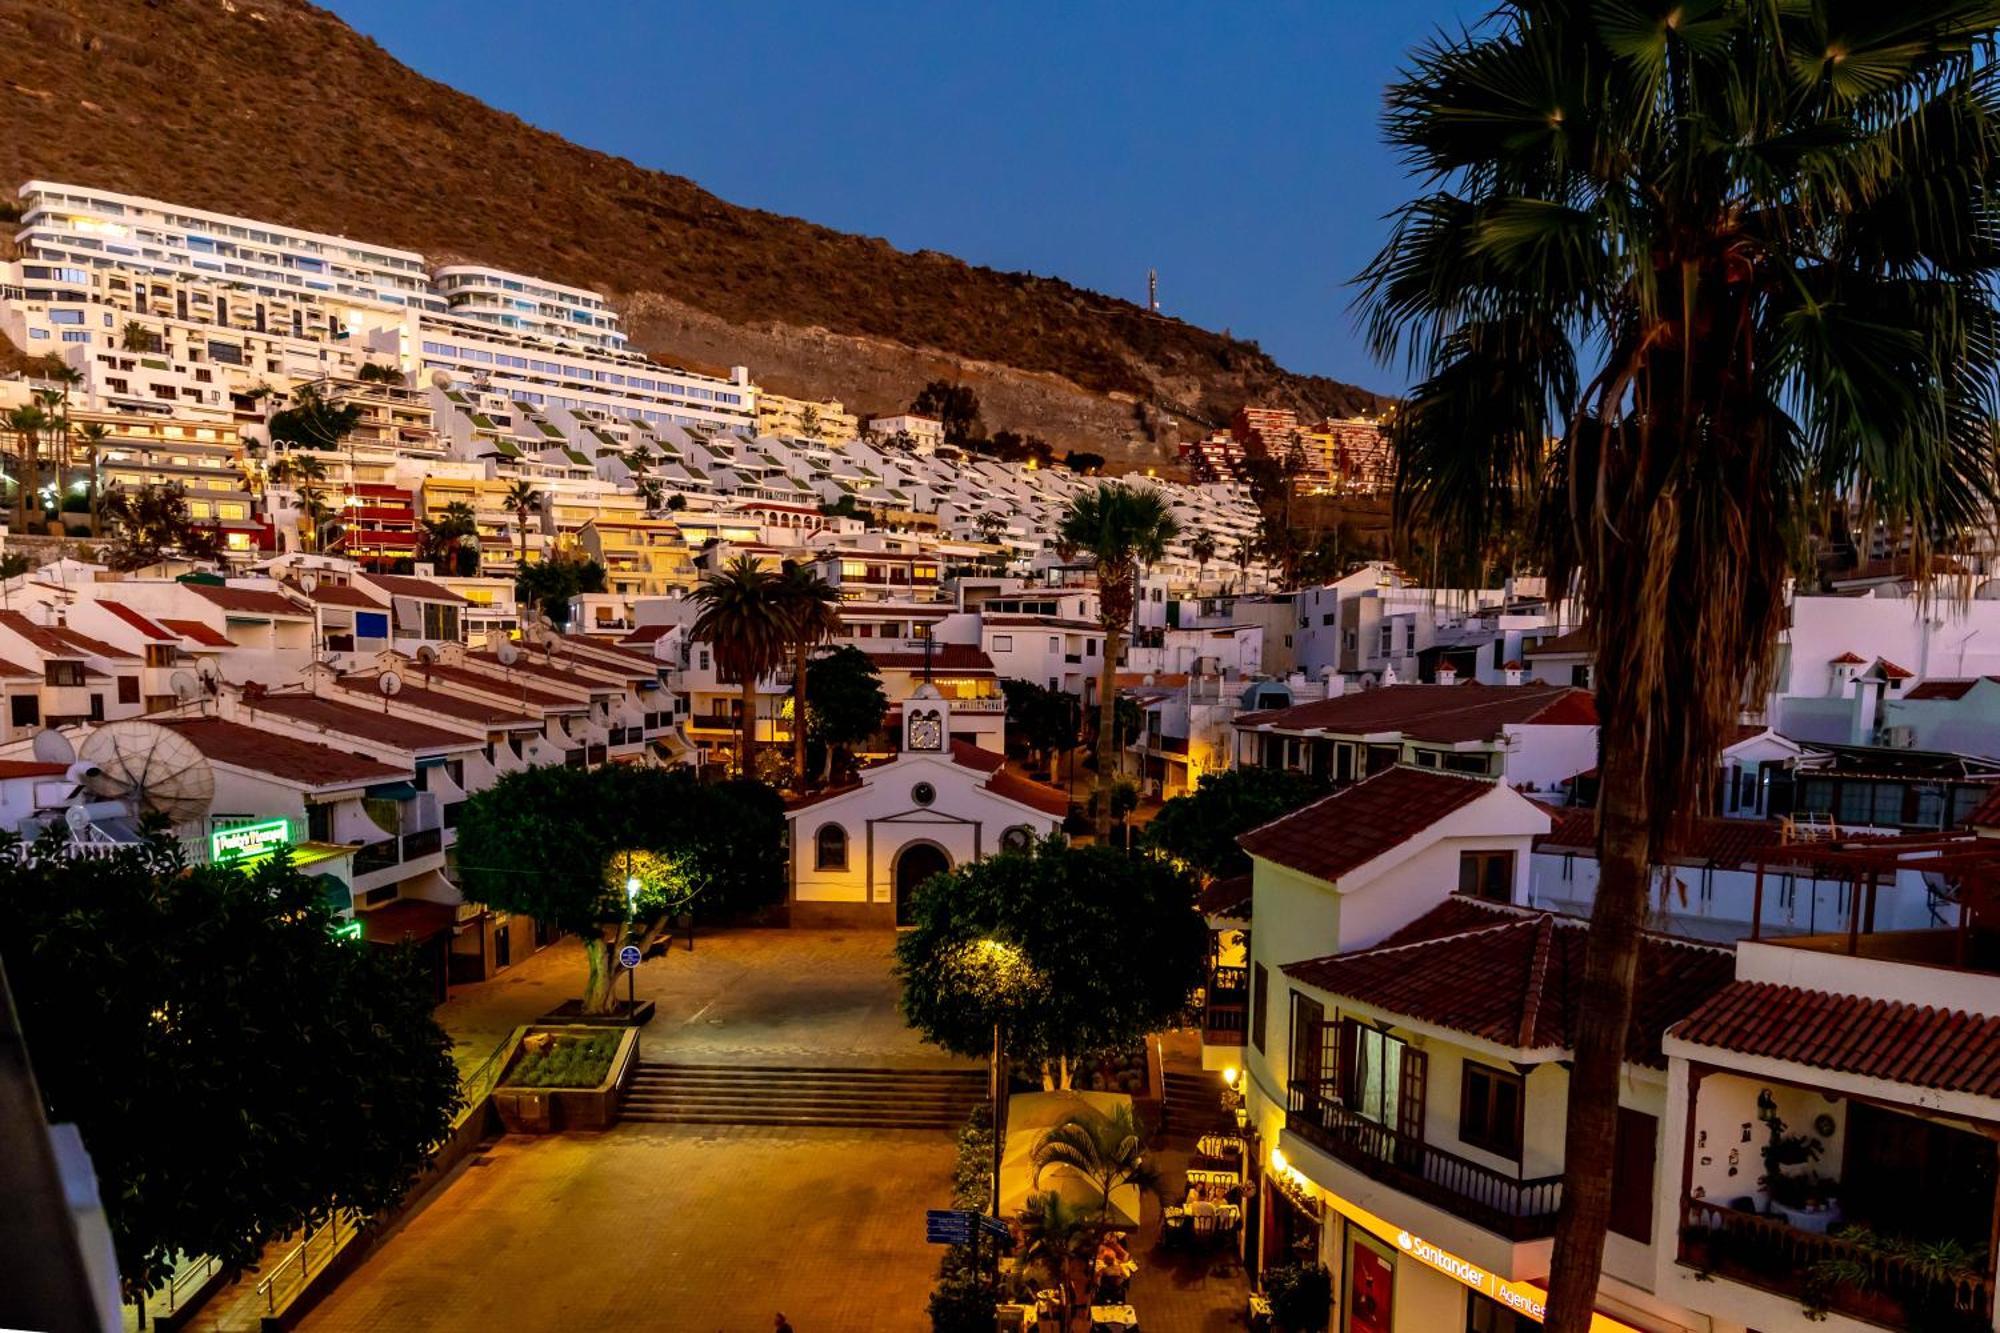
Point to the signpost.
(950, 1226)
(628, 958)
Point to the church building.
(859, 852)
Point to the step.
(790, 1122)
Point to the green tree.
(1049, 722)
(136, 337)
(1121, 528)
(1200, 829)
(92, 437)
(744, 619)
(1088, 463)
(152, 523)
(1202, 547)
(549, 584)
(315, 516)
(524, 502)
(1107, 1151)
(236, 1072)
(451, 540)
(845, 701)
(312, 421)
(1059, 1242)
(1738, 262)
(955, 406)
(811, 608)
(29, 423)
(1099, 950)
(374, 372)
(564, 845)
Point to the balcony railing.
(376, 856)
(1506, 1205)
(1225, 1017)
(1829, 1273)
(427, 843)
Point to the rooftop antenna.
(1153, 290)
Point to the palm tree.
(28, 422)
(1768, 229)
(1108, 1151)
(1059, 1241)
(522, 500)
(455, 529)
(314, 514)
(744, 619)
(811, 608)
(93, 436)
(1202, 548)
(1120, 528)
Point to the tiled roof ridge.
(1357, 786)
(1533, 984)
(1527, 918)
(1489, 696)
(1788, 989)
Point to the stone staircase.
(1191, 1105)
(685, 1094)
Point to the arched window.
(1017, 838)
(830, 848)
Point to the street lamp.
(1001, 961)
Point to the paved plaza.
(704, 1228)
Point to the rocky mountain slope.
(276, 109)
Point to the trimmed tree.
(1072, 950)
(236, 1072)
(1200, 829)
(612, 854)
(845, 701)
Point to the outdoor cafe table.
(1113, 1317)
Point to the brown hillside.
(277, 109)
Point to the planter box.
(526, 1110)
(570, 1014)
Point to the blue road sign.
(993, 1226)
(949, 1226)
(629, 956)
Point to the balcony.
(376, 856)
(1505, 1205)
(1828, 1274)
(1225, 1015)
(427, 843)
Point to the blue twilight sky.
(1236, 148)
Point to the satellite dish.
(77, 818)
(427, 656)
(52, 747)
(440, 379)
(309, 583)
(507, 653)
(155, 768)
(390, 684)
(209, 672)
(185, 686)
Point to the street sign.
(629, 956)
(993, 1226)
(949, 1226)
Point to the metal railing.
(427, 843)
(374, 856)
(304, 1259)
(1877, 1287)
(1519, 1209)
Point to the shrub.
(1301, 1297)
(565, 1061)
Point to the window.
(1373, 1077)
(1260, 1000)
(1632, 1162)
(26, 710)
(1017, 838)
(128, 689)
(830, 848)
(62, 673)
(1308, 1018)
(1489, 1110)
(1488, 876)
(923, 793)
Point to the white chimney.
(1513, 673)
(1447, 674)
(1336, 684)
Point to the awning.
(391, 791)
(407, 919)
(430, 761)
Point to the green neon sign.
(347, 930)
(247, 840)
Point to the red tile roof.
(1576, 641)
(303, 762)
(529, 664)
(257, 601)
(507, 689)
(972, 756)
(1945, 689)
(423, 590)
(414, 695)
(1515, 978)
(1444, 713)
(1228, 898)
(1041, 622)
(1352, 827)
(1712, 841)
(955, 657)
(196, 630)
(25, 768)
(59, 640)
(1946, 1049)
(1848, 658)
(1890, 671)
(138, 622)
(648, 634)
(327, 593)
(1028, 792)
(368, 724)
(634, 659)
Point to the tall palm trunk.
(799, 714)
(1604, 1012)
(744, 766)
(1107, 719)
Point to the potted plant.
(1301, 1297)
